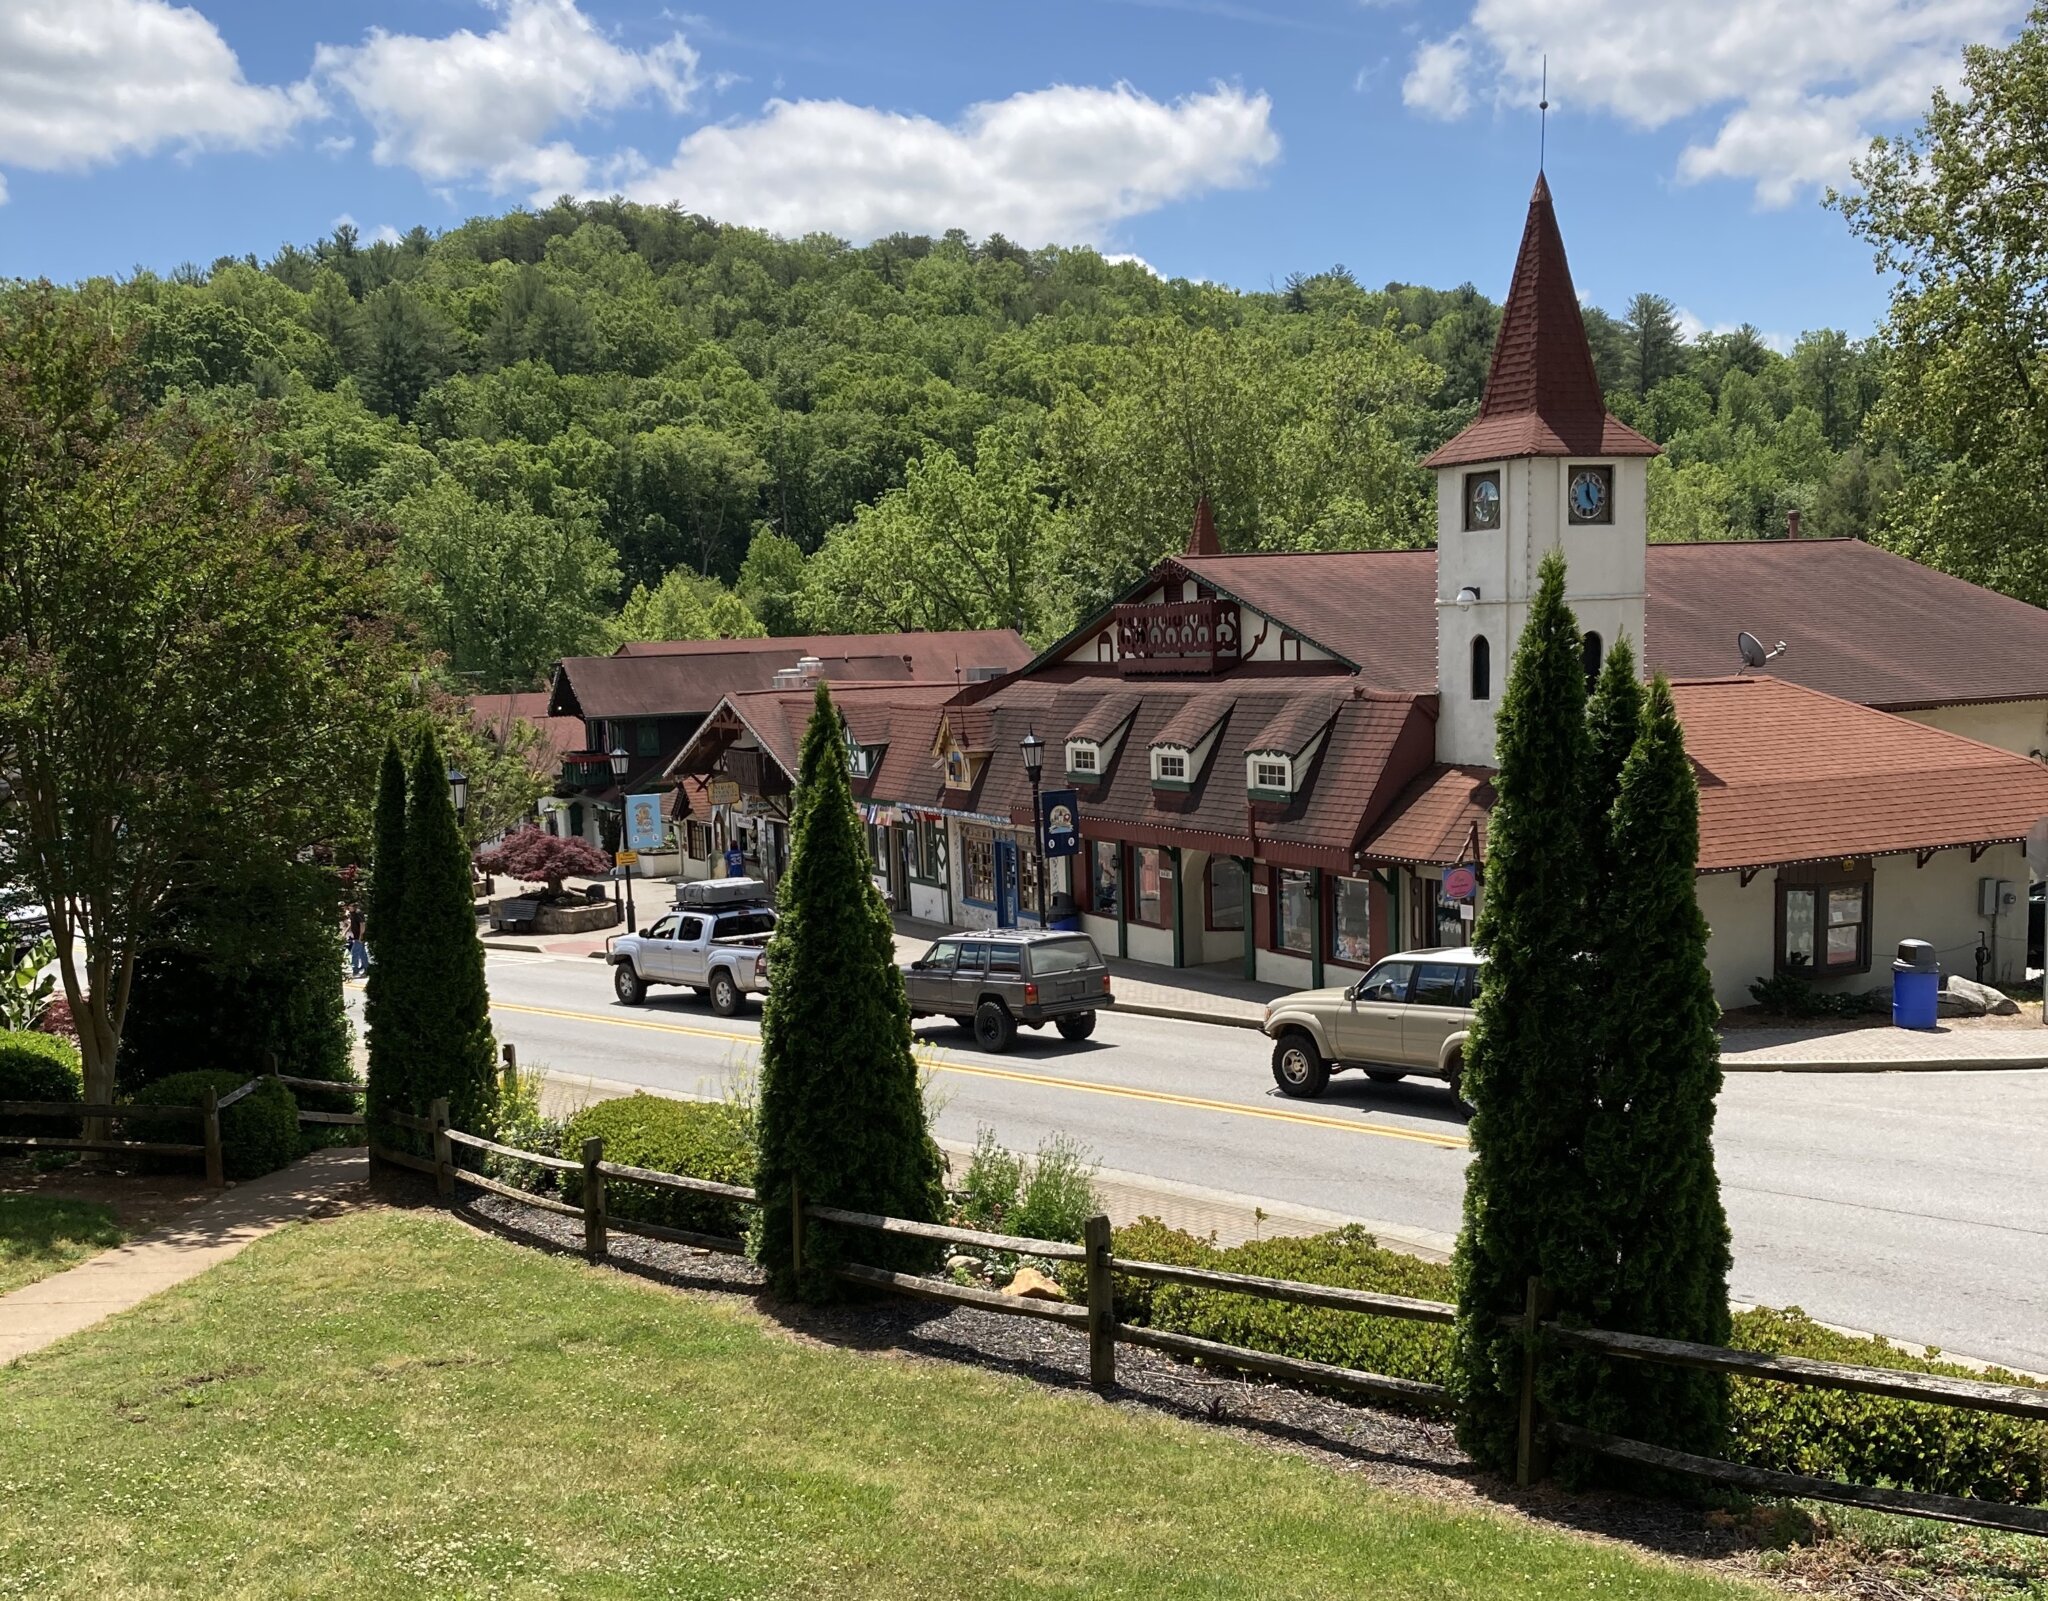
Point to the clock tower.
(1544, 466)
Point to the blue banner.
(644, 830)
(1062, 822)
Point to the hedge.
(698, 1139)
(39, 1067)
(258, 1134)
(1828, 1433)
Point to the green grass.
(390, 1406)
(41, 1235)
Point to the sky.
(1689, 142)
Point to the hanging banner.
(643, 823)
(1062, 822)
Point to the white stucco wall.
(2020, 726)
(928, 901)
(1937, 903)
(1276, 967)
(1148, 944)
(1102, 930)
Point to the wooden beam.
(1922, 858)
(1978, 850)
(1749, 873)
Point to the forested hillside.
(607, 420)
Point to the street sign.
(626, 858)
(1461, 883)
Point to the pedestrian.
(358, 951)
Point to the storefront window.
(1294, 911)
(1825, 927)
(1105, 880)
(980, 865)
(1351, 921)
(1452, 926)
(1226, 893)
(1027, 881)
(1146, 899)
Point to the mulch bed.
(139, 1201)
(1412, 1455)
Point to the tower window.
(1590, 654)
(1482, 669)
(1482, 501)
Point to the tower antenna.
(1543, 117)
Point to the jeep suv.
(994, 982)
(1407, 1017)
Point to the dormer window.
(1084, 759)
(860, 761)
(1269, 777)
(1170, 766)
(959, 771)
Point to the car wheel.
(995, 1031)
(1454, 1081)
(725, 994)
(1384, 1075)
(1077, 1026)
(628, 985)
(1298, 1068)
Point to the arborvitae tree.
(438, 1008)
(1649, 1148)
(1614, 717)
(382, 928)
(1528, 1073)
(842, 1114)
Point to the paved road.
(1915, 1205)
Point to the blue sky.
(1235, 140)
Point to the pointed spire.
(1203, 541)
(1542, 395)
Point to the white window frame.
(1177, 755)
(1084, 756)
(1285, 764)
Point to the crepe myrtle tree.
(534, 856)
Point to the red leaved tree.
(534, 856)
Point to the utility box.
(1996, 897)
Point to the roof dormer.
(1182, 746)
(1096, 738)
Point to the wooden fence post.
(1101, 1305)
(1528, 1447)
(444, 1149)
(510, 1070)
(593, 1198)
(209, 1117)
(796, 1229)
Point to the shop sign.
(1062, 822)
(725, 792)
(1461, 883)
(643, 823)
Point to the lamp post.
(1033, 749)
(458, 791)
(619, 759)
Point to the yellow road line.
(1449, 1142)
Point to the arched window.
(1482, 668)
(1589, 653)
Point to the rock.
(1034, 1285)
(969, 1264)
(1995, 1002)
(1953, 1003)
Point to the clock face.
(1482, 500)
(1590, 494)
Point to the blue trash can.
(1916, 984)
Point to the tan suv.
(1407, 1017)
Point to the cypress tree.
(1528, 1073)
(381, 929)
(1649, 1153)
(842, 1114)
(1614, 717)
(437, 1006)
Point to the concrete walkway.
(44, 1312)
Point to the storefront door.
(1006, 883)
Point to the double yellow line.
(1277, 1114)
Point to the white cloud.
(1125, 258)
(84, 82)
(1691, 327)
(1438, 85)
(1798, 86)
(479, 107)
(1058, 164)
(337, 144)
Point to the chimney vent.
(1792, 523)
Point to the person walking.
(358, 951)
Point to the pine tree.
(1649, 1151)
(438, 1005)
(382, 930)
(1528, 1074)
(842, 1114)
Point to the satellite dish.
(1752, 648)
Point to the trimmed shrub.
(258, 1134)
(1048, 1198)
(698, 1139)
(39, 1067)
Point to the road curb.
(1961, 1064)
(1179, 1015)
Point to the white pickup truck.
(714, 943)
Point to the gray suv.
(995, 981)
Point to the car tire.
(1454, 1081)
(995, 1031)
(1298, 1068)
(725, 994)
(628, 985)
(1075, 1026)
(1384, 1075)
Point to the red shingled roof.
(495, 714)
(1542, 395)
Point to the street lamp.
(458, 789)
(1033, 749)
(618, 759)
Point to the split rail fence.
(1095, 1319)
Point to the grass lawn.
(387, 1405)
(41, 1235)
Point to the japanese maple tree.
(534, 856)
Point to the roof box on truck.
(711, 892)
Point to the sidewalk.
(44, 1312)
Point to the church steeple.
(1542, 395)
(1202, 540)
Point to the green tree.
(1649, 1154)
(1528, 1074)
(771, 581)
(1614, 717)
(1655, 345)
(403, 348)
(383, 929)
(1952, 212)
(689, 496)
(684, 606)
(842, 1117)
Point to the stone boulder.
(1980, 998)
(1034, 1285)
